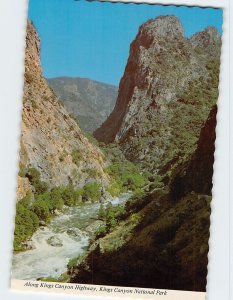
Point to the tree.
(41, 209)
(56, 199)
(68, 195)
(111, 221)
(34, 177)
(91, 191)
(26, 223)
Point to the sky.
(92, 39)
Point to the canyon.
(157, 145)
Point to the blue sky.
(92, 39)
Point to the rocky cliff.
(164, 120)
(168, 88)
(89, 101)
(51, 141)
(163, 243)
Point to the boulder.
(54, 241)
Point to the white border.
(13, 15)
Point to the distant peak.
(207, 37)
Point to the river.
(72, 230)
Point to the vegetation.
(26, 223)
(125, 177)
(69, 195)
(63, 278)
(139, 200)
(72, 263)
(101, 231)
(41, 209)
(93, 173)
(34, 177)
(44, 203)
(77, 156)
(22, 169)
(91, 191)
(112, 215)
(90, 138)
(114, 189)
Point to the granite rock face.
(51, 141)
(168, 88)
(164, 121)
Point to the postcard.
(117, 149)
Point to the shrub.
(34, 177)
(22, 169)
(26, 223)
(113, 215)
(77, 156)
(56, 200)
(101, 232)
(91, 191)
(92, 172)
(42, 208)
(26, 201)
(111, 223)
(114, 189)
(126, 175)
(32, 174)
(133, 181)
(135, 219)
(70, 196)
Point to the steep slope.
(90, 101)
(164, 241)
(195, 175)
(51, 141)
(168, 88)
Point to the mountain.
(163, 242)
(89, 101)
(165, 95)
(164, 121)
(51, 141)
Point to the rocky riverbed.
(66, 237)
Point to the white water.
(49, 261)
